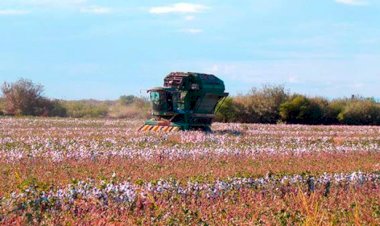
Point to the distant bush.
(321, 106)
(228, 111)
(258, 106)
(262, 105)
(128, 99)
(360, 112)
(57, 109)
(265, 103)
(269, 104)
(334, 108)
(24, 97)
(272, 104)
(85, 109)
(2, 106)
(129, 107)
(130, 112)
(302, 110)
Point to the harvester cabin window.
(155, 97)
(161, 100)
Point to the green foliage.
(130, 107)
(334, 108)
(32, 182)
(227, 110)
(360, 112)
(259, 106)
(302, 110)
(57, 109)
(269, 104)
(85, 109)
(321, 105)
(272, 104)
(262, 105)
(127, 99)
(354, 111)
(265, 103)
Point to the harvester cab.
(187, 101)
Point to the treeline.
(24, 98)
(274, 104)
(270, 104)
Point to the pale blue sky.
(103, 49)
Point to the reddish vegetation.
(44, 155)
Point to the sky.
(81, 49)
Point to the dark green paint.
(187, 100)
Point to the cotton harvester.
(187, 101)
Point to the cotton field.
(62, 171)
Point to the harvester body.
(186, 101)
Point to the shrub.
(2, 105)
(24, 97)
(360, 112)
(21, 97)
(228, 111)
(301, 110)
(262, 105)
(129, 112)
(127, 99)
(334, 108)
(130, 106)
(57, 109)
(321, 107)
(86, 109)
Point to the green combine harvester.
(187, 101)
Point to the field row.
(91, 139)
(293, 199)
(69, 171)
